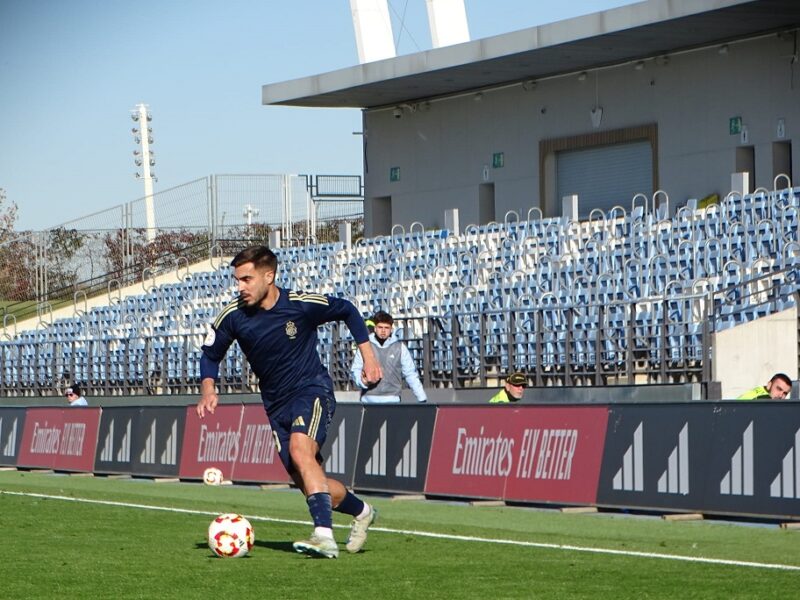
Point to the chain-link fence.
(85, 255)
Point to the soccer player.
(277, 331)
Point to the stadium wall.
(729, 458)
(609, 394)
(444, 147)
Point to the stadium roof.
(645, 29)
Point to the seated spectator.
(74, 396)
(777, 388)
(513, 390)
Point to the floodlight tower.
(249, 212)
(144, 158)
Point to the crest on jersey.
(291, 329)
(210, 336)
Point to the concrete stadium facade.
(707, 88)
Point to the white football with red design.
(212, 476)
(230, 536)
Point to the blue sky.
(72, 70)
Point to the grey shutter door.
(605, 176)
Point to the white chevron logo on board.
(336, 461)
(376, 465)
(675, 478)
(630, 476)
(407, 465)
(738, 481)
(787, 483)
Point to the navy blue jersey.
(280, 343)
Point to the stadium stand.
(626, 296)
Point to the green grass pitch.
(84, 537)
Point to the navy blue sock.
(319, 505)
(351, 505)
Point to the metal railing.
(47, 266)
(560, 345)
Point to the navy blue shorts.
(310, 412)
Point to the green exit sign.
(735, 125)
(394, 174)
(498, 160)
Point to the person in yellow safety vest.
(777, 388)
(512, 391)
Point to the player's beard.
(251, 301)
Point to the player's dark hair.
(261, 257)
(783, 377)
(382, 317)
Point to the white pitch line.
(444, 536)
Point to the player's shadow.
(275, 545)
(271, 545)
